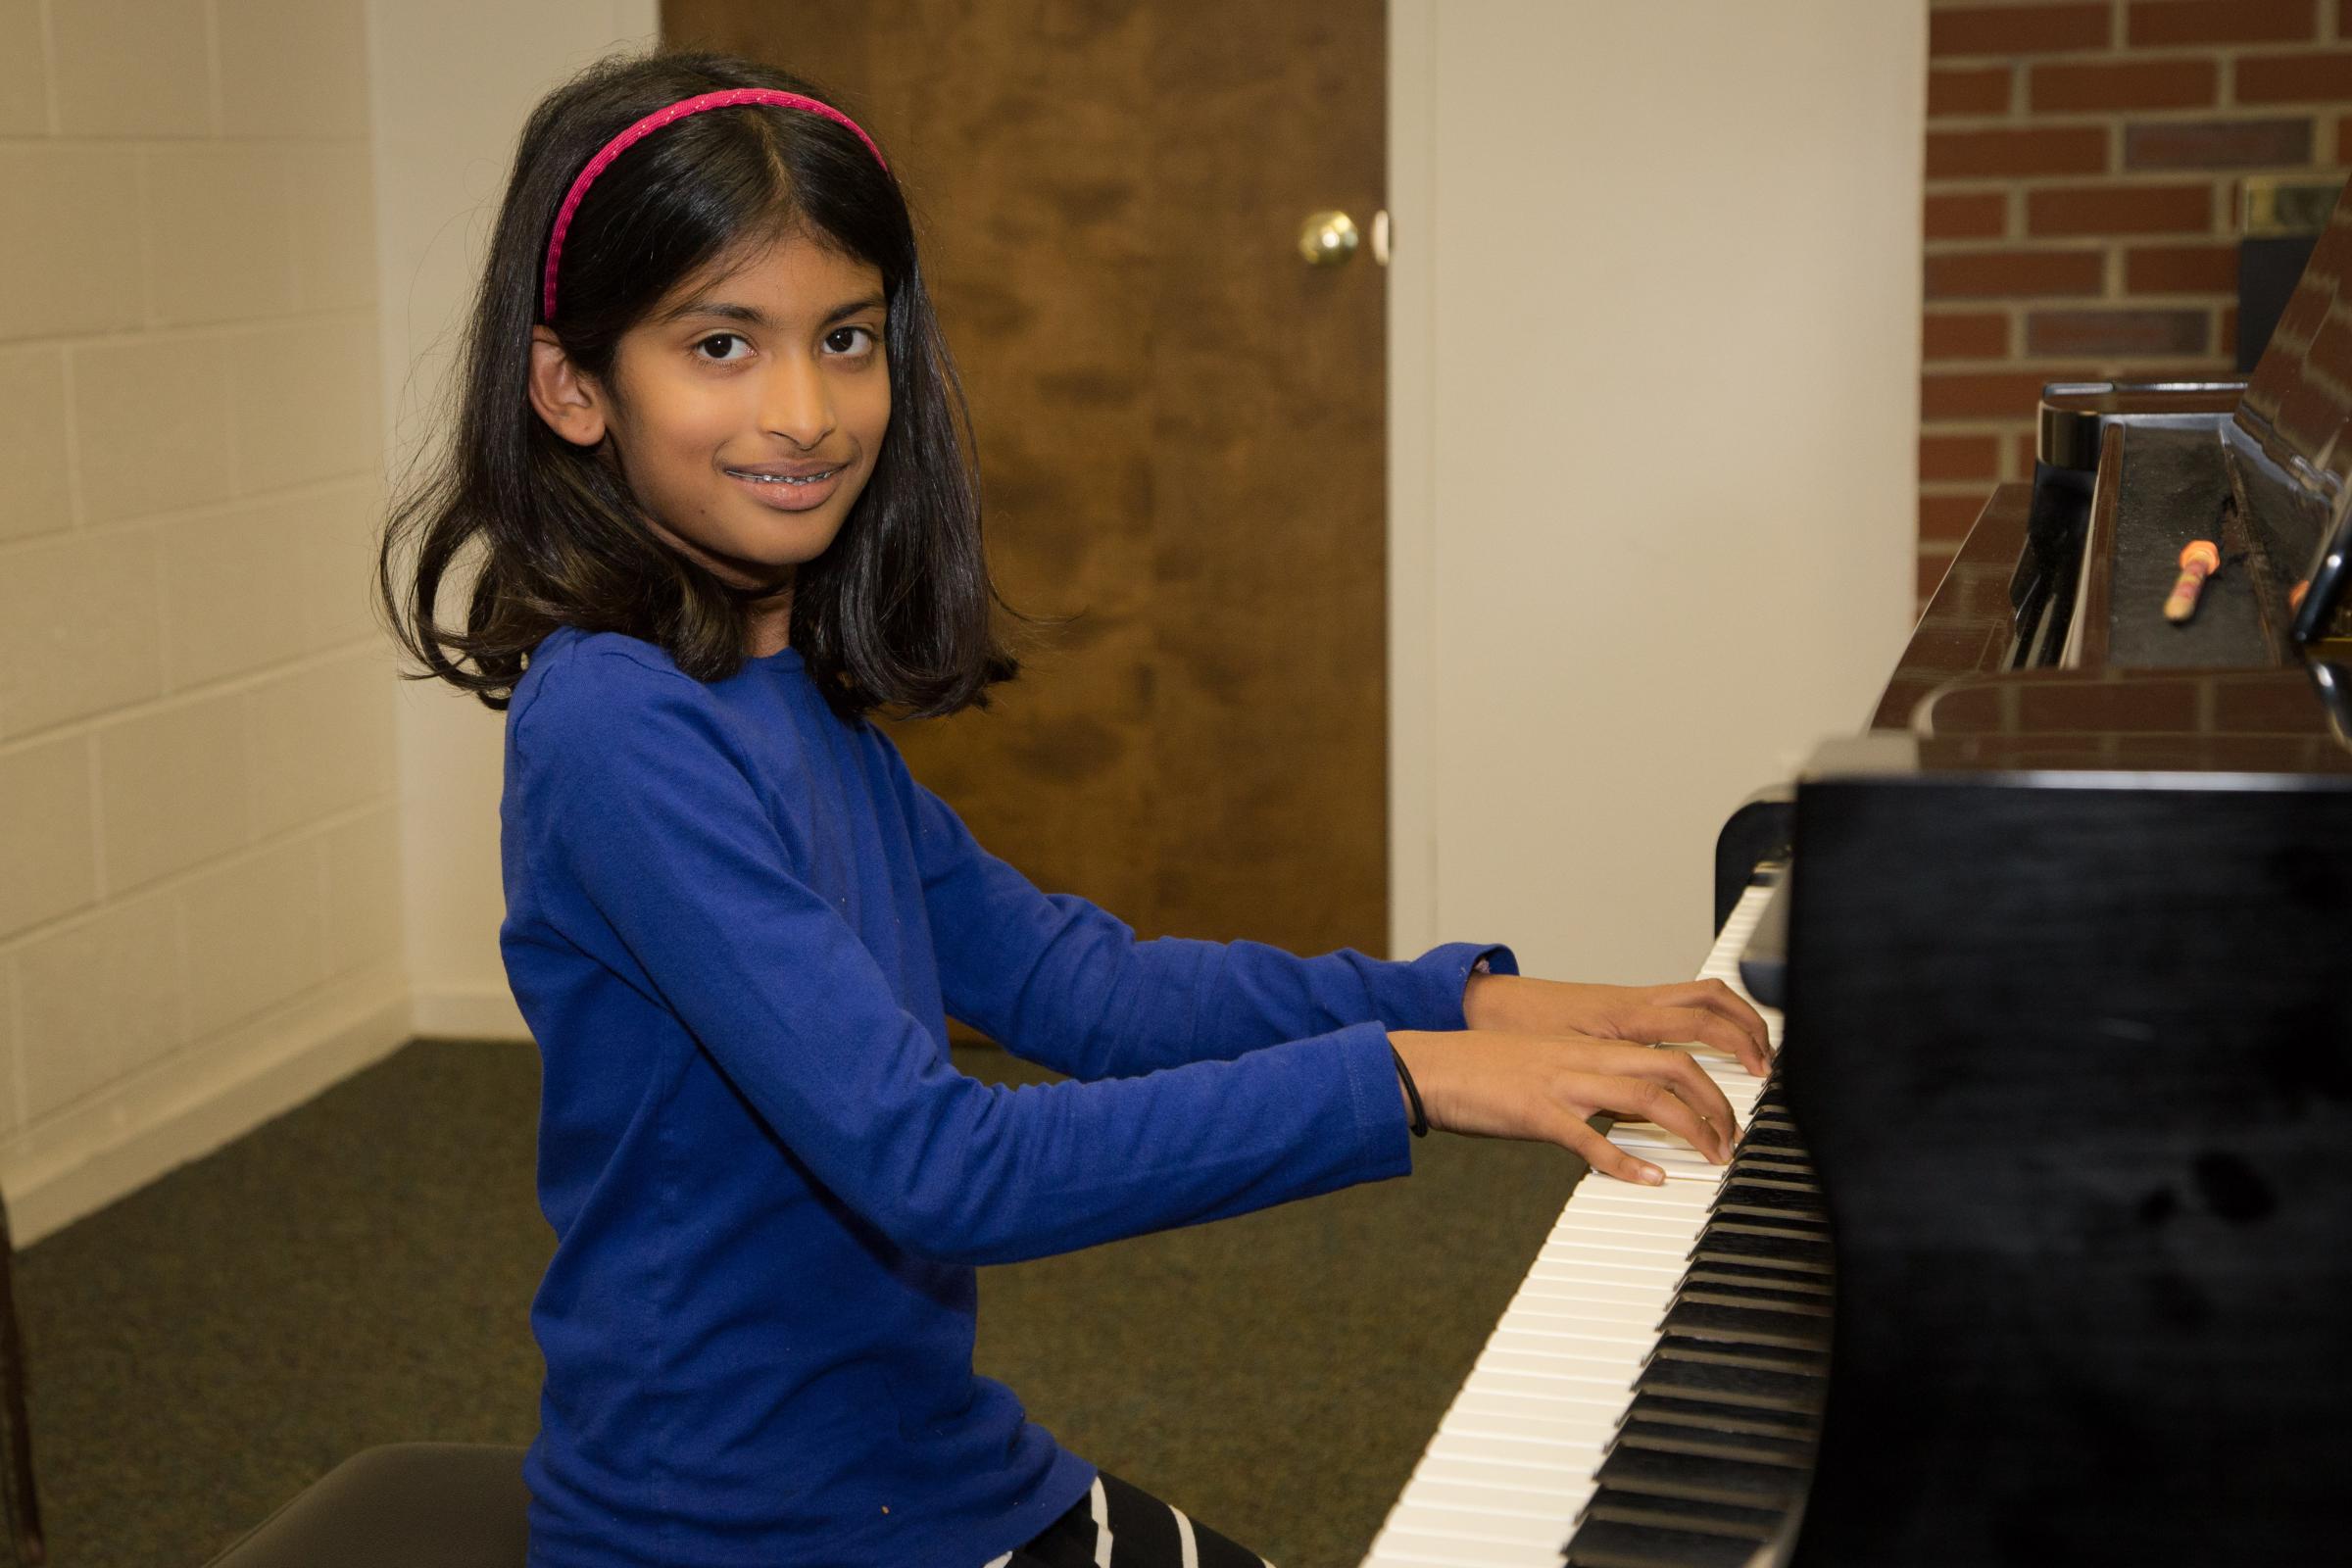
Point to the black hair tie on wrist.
(1411, 1092)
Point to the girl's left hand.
(1706, 1012)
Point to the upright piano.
(2038, 1248)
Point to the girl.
(712, 447)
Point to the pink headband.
(727, 99)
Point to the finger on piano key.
(1535, 1420)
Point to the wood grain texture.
(1181, 430)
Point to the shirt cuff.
(1427, 993)
(1384, 1125)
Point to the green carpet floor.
(360, 1271)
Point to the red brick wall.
(2080, 211)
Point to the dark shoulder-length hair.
(899, 612)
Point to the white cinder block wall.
(237, 238)
(200, 915)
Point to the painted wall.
(238, 859)
(454, 79)
(1655, 326)
(199, 839)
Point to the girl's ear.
(572, 404)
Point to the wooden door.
(1181, 429)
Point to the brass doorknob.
(1327, 239)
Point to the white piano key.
(1551, 1317)
(1503, 1453)
(1583, 1407)
(1562, 1342)
(1528, 1487)
(1412, 1549)
(1529, 1377)
(1479, 1524)
(1596, 1296)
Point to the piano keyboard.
(1652, 1392)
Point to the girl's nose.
(798, 403)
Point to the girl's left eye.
(723, 338)
(849, 339)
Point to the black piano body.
(2069, 992)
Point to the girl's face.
(747, 410)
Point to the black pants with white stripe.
(1119, 1526)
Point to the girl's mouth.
(789, 492)
(785, 478)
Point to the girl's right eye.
(703, 347)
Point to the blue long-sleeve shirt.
(736, 926)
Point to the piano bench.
(399, 1505)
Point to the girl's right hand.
(1493, 1084)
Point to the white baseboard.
(468, 1014)
(178, 1110)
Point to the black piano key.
(1763, 1273)
(1762, 1357)
(1767, 1160)
(1751, 1525)
(1776, 1230)
(1759, 1191)
(1794, 1452)
(1711, 1415)
(1682, 1475)
(1746, 1324)
(1684, 1377)
(1608, 1543)
(1802, 1186)
(1767, 1166)
(1732, 1243)
(1812, 1228)
(1748, 1293)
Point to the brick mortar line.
(172, 882)
(161, 138)
(2081, 302)
(2131, 179)
(201, 512)
(244, 683)
(2063, 244)
(228, 328)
